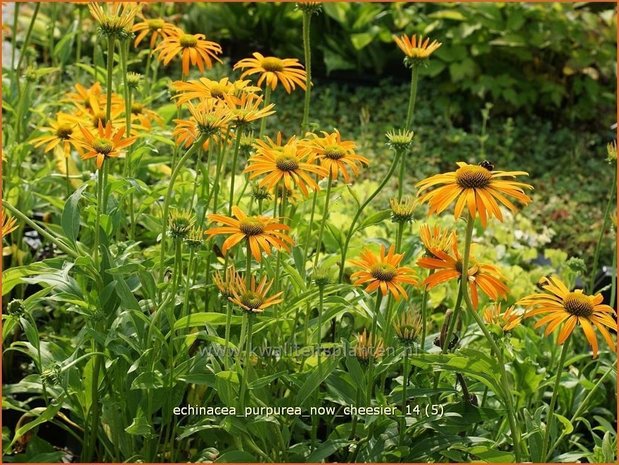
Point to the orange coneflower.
(383, 272)
(204, 89)
(261, 232)
(477, 187)
(226, 283)
(369, 347)
(507, 320)
(193, 48)
(569, 308)
(447, 267)
(115, 18)
(145, 117)
(253, 299)
(210, 117)
(246, 108)
(289, 163)
(415, 47)
(95, 113)
(157, 27)
(337, 155)
(60, 137)
(272, 70)
(436, 238)
(82, 95)
(8, 224)
(103, 144)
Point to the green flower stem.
(108, 80)
(50, 39)
(515, 432)
(309, 228)
(323, 221)
(398, 239)
(166, 203)
(455, 316)
(405, 370)
(26, 43)
(91, 433)
(553, 399)
(245, 383)
(372, 339)
(67, 177)
(78, 36)
(235, 157)
(351, 229)
(581, 406)
(146, 87)
(409, 122)
(178, 260)
(14, 33)
(267, 100)
(190, 273)
(596, 255)
(218, 169)
(410, 113)
(424, 318)
(227, 334)
(307, 19)
(46, 234)
(247, 265)
(124, 53)
(100, 189)
(321, 300)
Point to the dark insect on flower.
(486, 164)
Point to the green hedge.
(537, 58)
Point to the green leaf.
(148, 380)
(46, 415)
(337, 11)
(361, 40)
(14, 276)
(71, 214)
(567, 425)
(236, 456)
(448, 14)
(140, 426)
(326, 449)
(203, 319)
(375, 219)
(471, 362)
(315, 379)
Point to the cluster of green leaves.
(525, 57)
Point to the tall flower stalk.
(511, 416)
(166, 203)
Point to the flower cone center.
(64, 131)
(272, 64)
(103, 146)
(252, 300)
(472, 177)
(218, 91)
(286, 163)
(99, 118)
(137, 108)
(251, 227)
(383, 272)
(334, 153)
(188, 41)
(154, 24)
(578, 304)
